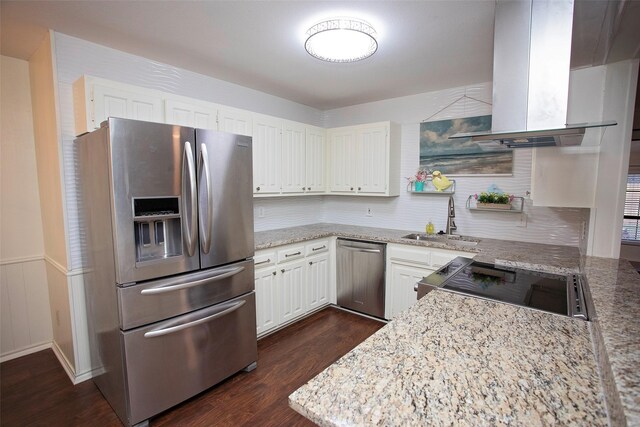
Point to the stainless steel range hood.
(532, 51)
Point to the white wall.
(24, 298)
(411, 211)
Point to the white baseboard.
(23, 352)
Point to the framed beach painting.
(462, 156)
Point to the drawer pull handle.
(321, 247)
(175, 287)
(171, 329)
(293, 254)
(264, 262)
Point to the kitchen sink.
(457, 240)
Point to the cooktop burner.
(561, 294)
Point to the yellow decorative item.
(440, 181)
(430, 229)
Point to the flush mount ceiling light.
(341, 40)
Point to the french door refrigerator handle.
(170, 288)
(205, 244)
(189, 172)
(165, 331)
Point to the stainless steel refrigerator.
(167, 219)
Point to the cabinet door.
(188, 114)
(267, 162)
(403, 279)
(317, 281)
(267, 297)
(293, 158)
(342, 160)
(292, 290)
(316, 152)
(114, 102)
(235, 121)
(372, 166)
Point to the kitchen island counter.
(456, 360)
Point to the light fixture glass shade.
(341, 40)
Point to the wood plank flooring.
(36, 391)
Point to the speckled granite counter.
(548, 258)
(475, 363)
(564, 393)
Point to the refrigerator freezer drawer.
(171, 361)
(157, 300)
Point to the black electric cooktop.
(553, 293)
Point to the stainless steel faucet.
(451, 224)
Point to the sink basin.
(422, 236)
(457, 240)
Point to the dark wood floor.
(36, 391)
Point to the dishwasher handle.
(356, 249)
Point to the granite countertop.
(549, 258)
(456, 360)
(477, 358)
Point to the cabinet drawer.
(291, 253)
(264, 259)
(418, 256)
(317, 247)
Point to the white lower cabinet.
(267, 299)
(403, 279)
(293, 290)
(407, 265)
(291, 281)
(318, 281)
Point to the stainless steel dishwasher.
(360, 270)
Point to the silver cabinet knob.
(359, 188)
(310, 262)
(257, 188)
(274, 273)
(351, 188)
(282, 270)
(303, 188)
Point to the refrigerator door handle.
(188, 172)
(205, 244)
(226, 309)
(170, 288)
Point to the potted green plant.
(418, 180)
(491, 200)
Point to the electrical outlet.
(369, 211)
(261, 212)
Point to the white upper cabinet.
(293, 157)
(190, 113)
(236, 121)
(342, 160)
(365, 160)
(97, 99)
(267, 148)
(373, 164)
(316, 159)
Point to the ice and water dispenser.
(157, 228)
